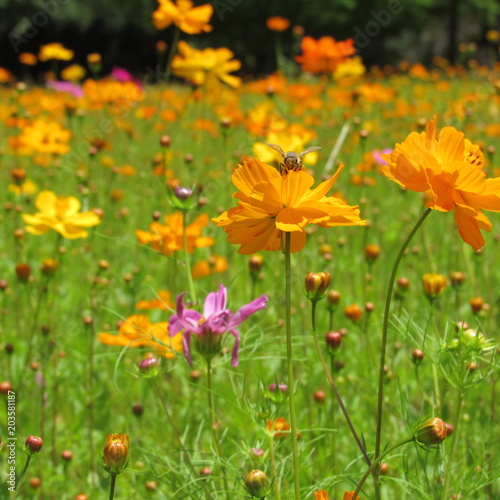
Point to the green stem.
(192, 292)
(171, 53)
(376, 462)
(211, 409)
(385, 328)
(21, 477)
(276, 479)
(454, 439)
(112, 487)
(334, 388)
(289, 358)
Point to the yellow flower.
(191, 20)
(55, 51)
(138, 331)
(204, 67)
(352, 67)
(43, 136)
(270, 204)
(62, 214)
(434, 284)
(27, 187)
(448, 168)
(73, 73)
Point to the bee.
(291, 160)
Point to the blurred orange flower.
(205, 67)
(215, 264)
(270, 204)
(280, 424)
(43, 136)
(28, 59)
(448, 168)
(168, 238)
(325, 54)
(349, 495)
(321, 495)
(138, 331)
(55, 51)
(162, 302)
(278, 23)
(189, 19)
(62, 214)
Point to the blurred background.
(384, 31)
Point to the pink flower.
(215, 321)
(376, 155)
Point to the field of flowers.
(190, 313)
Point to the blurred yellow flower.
(62, 214)
(25, 188)
(352, 67)
(73, 73)
(205, 67)
(189, 19)
(55, 51)
(138, 331)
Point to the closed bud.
(353, 312)
(182, 193)
(255, 263)
(257, 484)
(149, 367)
(115, 453)
(319, 396)
(165, 141)
(403, 284)
(417, 356)
(476, 304)
(434, 284)
(316, 285)
(432, 431)
(333, 340)
(372, 252)
(457, 278)
(49, 266)
(23, 272)
(333, 297)
(33, 445)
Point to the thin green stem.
(21, 477)
(376, 462)
(272, 457)
(211, 409)
(289, 358)
(192, 292)
(385, 328)
(112, 487)
(171, 53)
(334, 388)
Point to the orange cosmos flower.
(168, 238)
(162, 302)
(349, 495)
(138, 331)
(215, 264)
(204, 67)
(321, 495)
(44, 136)
(280, 424)
(28, 59)
(270, 204)
(191, 20)
(277, 23)
(448, 168)
(55, 51)
(325, 54)
(62, 214)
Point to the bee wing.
(308, 150)
(276, 148)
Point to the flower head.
(62, 214)
(206, 67)
(270, 204)
(189, 19)
(115, 453)
(432, 431)
(448, 168)
(138, 331)
(277, 23)
(55, 51)
(215, 321)
(325, 54)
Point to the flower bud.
(255, 263)
(457, 278)
(372, 252)
(33, 445)
(182, 193)
(319, 396)
(279, 427)
(417, 356)
(23, 272)
(473, 338)
(432, 431)
(434, 284)
(476, 304)
(149, 367)
(333, 298)
(115, 453)
(353, 312)
(316, 285)
(256, 484)
(333, 340)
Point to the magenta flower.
(215, 321)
